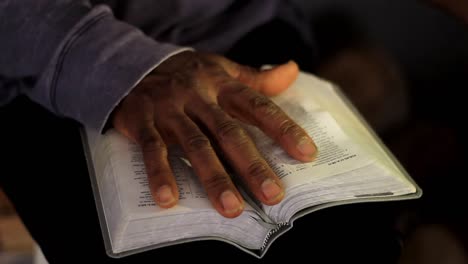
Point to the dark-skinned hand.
(192, 92)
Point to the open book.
(352, 166)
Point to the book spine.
(271, 234)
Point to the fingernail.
(230, 202)
(307, 148)
(165, 195)
(271, 190)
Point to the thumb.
(269, 82)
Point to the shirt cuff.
(98, 63)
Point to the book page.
(134, 221)
(336, 152)
(331, 98)
(130, 174)
(189, 187)
(347, 165)
(131, 178)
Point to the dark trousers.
(44, 174)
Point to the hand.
(190, 93)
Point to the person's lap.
(45, 176)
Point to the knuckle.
(182, 79)
(225, 83)
(156, 172)
(150, 142)
(197, 142)
(231, 131)
(195, 63)
(248, 74)
(264, 105)
(214, 107)
(288, 127)
(235, 89)
(218, 181)
(257, 169)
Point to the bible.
(352, 166)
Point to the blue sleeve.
(76, 60)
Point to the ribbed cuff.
(97, 65)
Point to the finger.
(241, 153)
(240, 101)
(269, 82)
(217, 183)
(142, 131)
(160, 177)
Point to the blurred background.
(405, 66)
